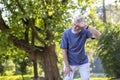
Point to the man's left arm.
(95, 33)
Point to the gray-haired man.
(73, 46)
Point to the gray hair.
(78, 19)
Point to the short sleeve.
(64, 41)
(89, 34)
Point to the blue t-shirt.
(75, 45)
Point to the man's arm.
(65, 58)
(67, 66)
(95, 33)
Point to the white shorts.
(84, 71)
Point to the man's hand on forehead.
(81, 24)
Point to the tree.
(3, 51)
(104, 12)
(31, 26)
(109, 50)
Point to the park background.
(31, 30)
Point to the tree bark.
(104, 12)
(35, 70)
(50, 64)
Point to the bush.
(109, 50)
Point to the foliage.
(109, 50)
(4, 47)
(37, 24)
(9, 68)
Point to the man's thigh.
(84, 71)
(71, 74)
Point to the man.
(73, 46)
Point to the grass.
(28, 77)
(96, 79)
(93, 76)
(17, 77)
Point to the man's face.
(78, 26)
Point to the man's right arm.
(65, 58)
(64, 46)
(67, 66)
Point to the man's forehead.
(78, 22)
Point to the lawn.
(17, 77)
(96, 79)
(28, 77)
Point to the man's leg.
(71, 74)
(84, 71)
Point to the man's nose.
(76, 27)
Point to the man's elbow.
(64, 51)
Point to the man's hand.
(67, 70)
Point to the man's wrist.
(67, 66)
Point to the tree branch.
(24, 46)
(35, 31)
(3, 26)
(19, 43)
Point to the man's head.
(78, 24)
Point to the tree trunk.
(35, 70)
(49, 61)
(104, 12)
